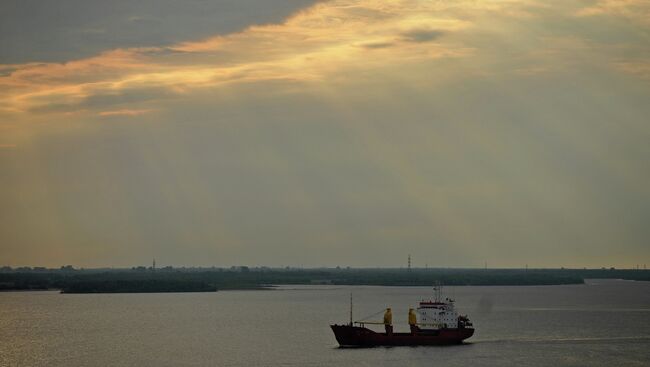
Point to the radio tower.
(409, 263)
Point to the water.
(602, 323)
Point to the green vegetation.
(168, 279)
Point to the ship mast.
(437, 291)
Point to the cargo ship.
(434, 322)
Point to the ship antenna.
(351, 309)
(437, 291)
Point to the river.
(601, 323)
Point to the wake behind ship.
(435, 322)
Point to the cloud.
(421, 35)
(6, 70)
(379, 44)
(412, 35)
(124, 112)
(640, 69)
(635, 10)
(309, 46)
(325, 42)
(82, 29)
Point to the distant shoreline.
(276, 286)
(71, 281)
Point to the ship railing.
(435, 324)
(363, 323)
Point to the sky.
(325, 133)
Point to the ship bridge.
(437, 314)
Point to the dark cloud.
(62, 30)
(6, 70)
(414, 35)
(374, 45)
(422, 35)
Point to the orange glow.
(124, 112)
(329, 39)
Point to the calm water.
(603, 323)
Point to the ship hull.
(357, 336)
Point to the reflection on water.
(603, 323)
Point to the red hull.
(356, 336)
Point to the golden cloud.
(124, 112)
(309, 46)
(640, 69)
(636, 10)
(332, 41)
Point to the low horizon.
(296, 267)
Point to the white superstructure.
(437, 314)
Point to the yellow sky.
(508, 130)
